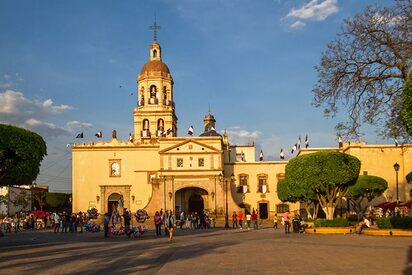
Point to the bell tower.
(154, 116)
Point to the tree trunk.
(329, 210)
(315, 210)
(307, 208)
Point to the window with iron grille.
(243, 181)
(201, 162)
(179, 162)
(262, 184)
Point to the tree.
(298, 193)
(407, 104)
(21, 152)
(39, 197)
(409, 177)
(57, 201)
(364, 70)
(327, 174)
(366, 187)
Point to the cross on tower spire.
(155, 27)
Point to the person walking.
(56, 222)
(248, 218)
(165, 219)
(158, 223)
(275, 222)
(240, 218)
(106, 221)
(234, 220)
(254, 220)
(286, 220)
(170, 224)
(127, 217)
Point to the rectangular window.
(201, 162)
(243, 187)
(365, 173)
(262, 184)
(179, 162)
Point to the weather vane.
(155, 27)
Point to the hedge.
(338, 222)
(384, 223)
(394, 222)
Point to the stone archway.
(115, 200)
(191, 199)
(107, 190)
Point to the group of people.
(66, 222)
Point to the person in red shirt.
(234, 219)
(240, 218)
(286, 221)
(254, 220)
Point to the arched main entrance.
(196, 204)
(115, 201)
(191, 199)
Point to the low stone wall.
(388, 232)
(330, 230)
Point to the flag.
(396, 142)
(80, 135)
(98, 134)
(190, 131)
(130, 137)
(340, 141)
(294, 148)
(298, 143)
(170, 130)
(306, 141)
(282, 155)
(261, 155)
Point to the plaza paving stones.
(216, 251)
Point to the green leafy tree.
(407, 104)
(327, 174)
(39, 197)
(57, 201)
(21, 199)
(298, 193)
(363, 70)
(366, 187)
(21, 152)
(409, 177)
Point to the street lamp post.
(232, 177)
(396, 167)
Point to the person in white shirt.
(248, 218)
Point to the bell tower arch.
(154, 116)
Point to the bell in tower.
(155, 117)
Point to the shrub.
(384, 223)
(353, 219)
(401, 222)
(339, 222)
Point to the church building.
(156, 169)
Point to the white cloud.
(74, 125)
(48, 107)
(16, 109)
(298, 25)
(315, 10)
(240, 137)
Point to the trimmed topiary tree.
(407, 104)
(21, 152)
(327, 174)
(409, 177)
(366, 187)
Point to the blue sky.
(62, 64)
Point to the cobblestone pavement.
(216, 251)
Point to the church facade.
(155, 169)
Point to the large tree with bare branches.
(364, 69)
